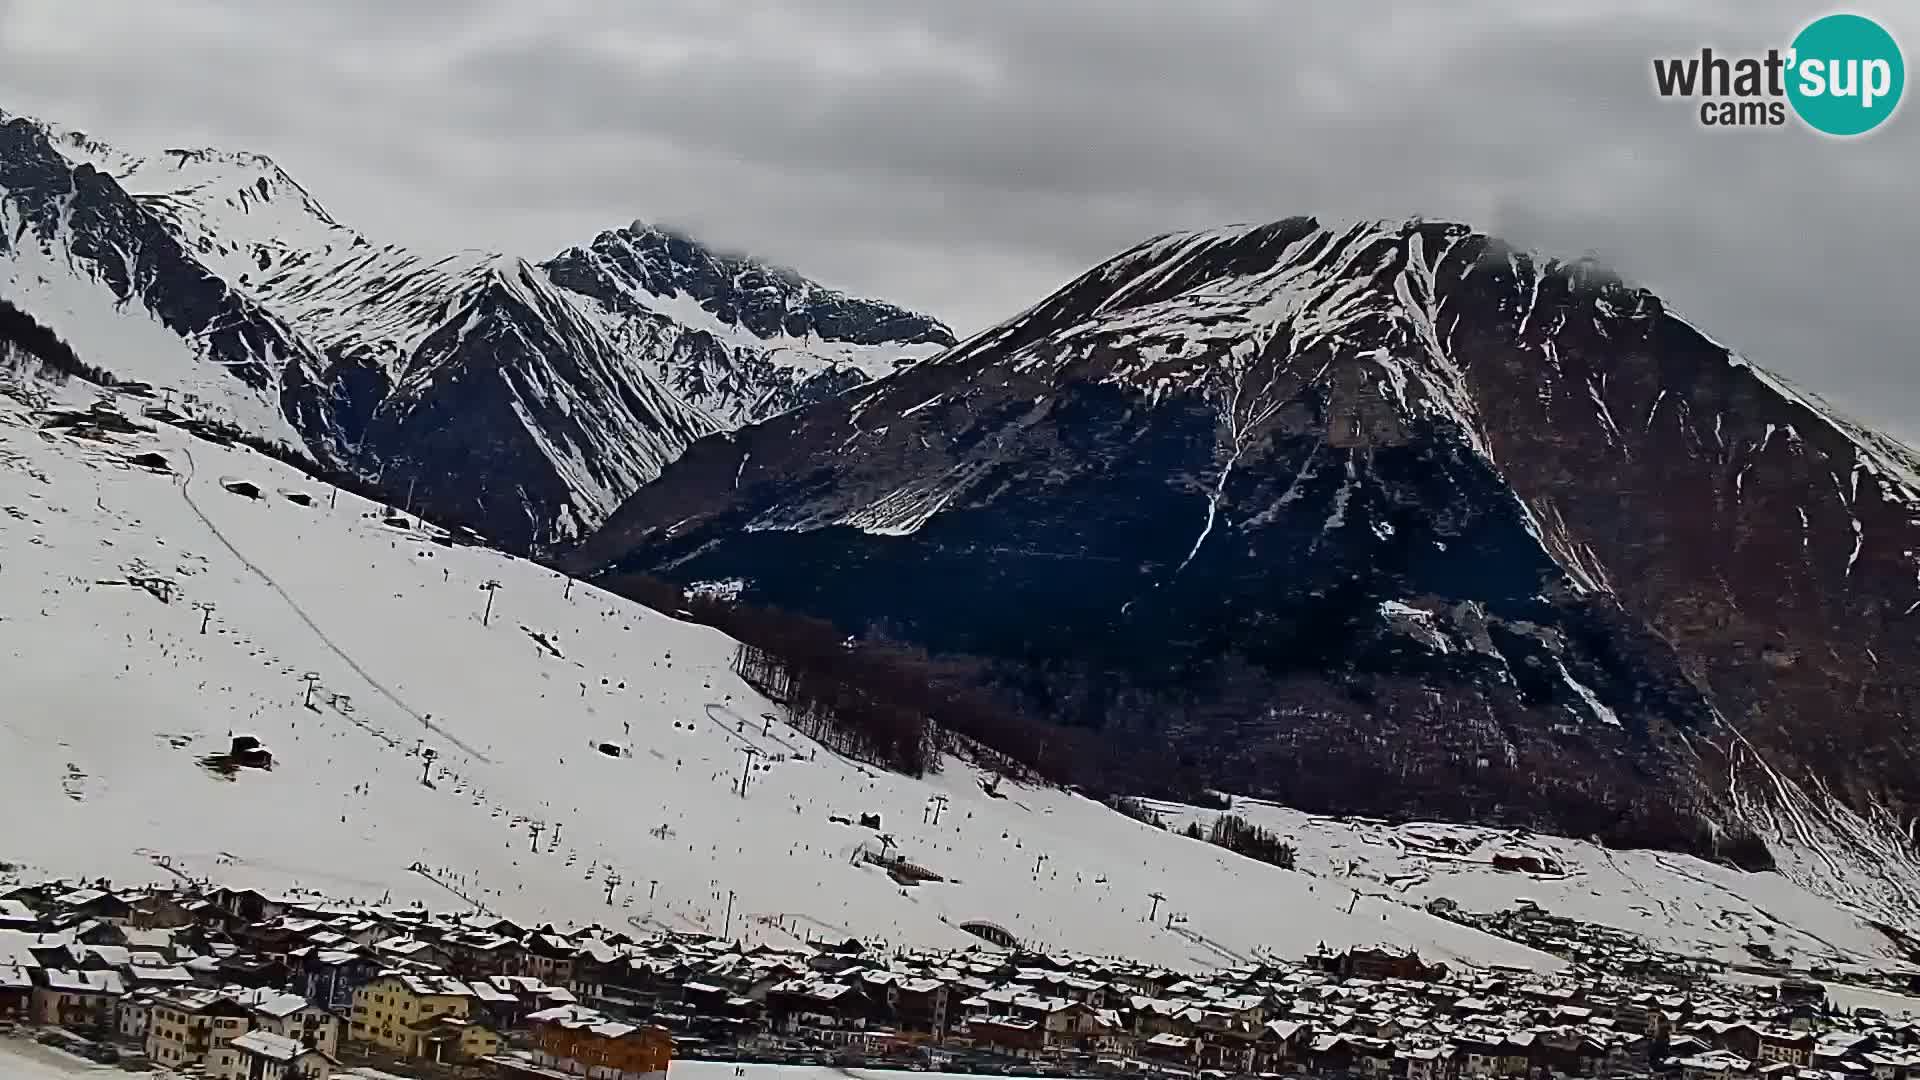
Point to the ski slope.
(1674, 902)
(114, 696)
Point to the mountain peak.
(623, 267)
(1270, 494)
(739, 337)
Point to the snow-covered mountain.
(112, 280)
(468, 379)
(733, 335)
(1386, 518)
(173, 593)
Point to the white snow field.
(1675, 902)
(21, 1059)
(112, 696)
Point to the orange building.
(582, 1042)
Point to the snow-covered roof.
(86, 982)
(268, 1045)
(164, 975)
(111, 955)
(274, 1003)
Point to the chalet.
(1801, 992)
(156, 940)
(1276, 1046)
(799, 1006)
(1360, 963)
(330, 976)
(134, 1014)
(292, 1016)
(159, 911)
(1479, 1055)
(549, 958)
(262, 1055)
(1517, 1053)
(1784, 1045)
(1227, 1048)
(1063, 1022)
(246, 906)
(250, 969)
(1425, 1063)
(452, 1040)
(1372, 1057)
(276, 938)
(920, 1006)
(479, 953)
(492, 924)
(407, 949)
(79, 999)
(16, 991)
(1890, 1066)
(575, 1040)
(87, 904)
(1178, 1051)
(1010, 1035)
(1737, 1037)
(194, 1028)
(1567, 1052)
(1111, 1037)
(504, 1001)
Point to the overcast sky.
(967, 156)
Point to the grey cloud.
(966, 157)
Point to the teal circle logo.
(1846, 76)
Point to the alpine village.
(229, 984)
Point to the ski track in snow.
(186, 493)
(404, 614)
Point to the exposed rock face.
(520, 378)
(735, 336)
(1384, 519)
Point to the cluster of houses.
(235, 983)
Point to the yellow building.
(386, 1009)
(449, 1040)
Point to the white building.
(294, 1017)
(262, 1055)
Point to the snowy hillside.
(1673, 902)
(116, 695)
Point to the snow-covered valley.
(151, 609)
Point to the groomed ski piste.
(350, 644)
